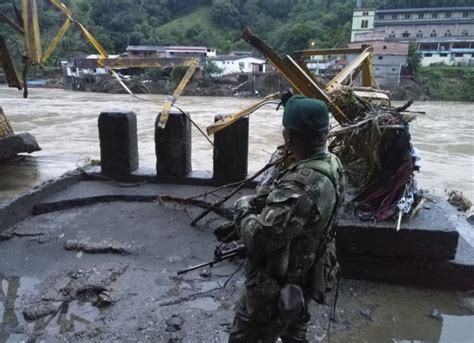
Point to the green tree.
(225, 14)
(211, 69)
(414, 58)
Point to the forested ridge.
(286, 24)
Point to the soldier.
(289, 237)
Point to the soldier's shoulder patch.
(281, 195)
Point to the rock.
(206, 272)
(101, 247)
(12, 145)
(38, 311)
(174, 323)
(367, 314)
(459, 200)
(88, 286)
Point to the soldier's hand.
(243, 206)
(226, 232)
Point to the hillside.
(287, 25)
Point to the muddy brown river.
(65, 125)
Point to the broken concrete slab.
(16, 144)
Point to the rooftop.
(234, 58)
(146, 48)
(426, 9)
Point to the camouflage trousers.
(257, 321)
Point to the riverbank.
(438, 83)
(434, 83)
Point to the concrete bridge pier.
(231, 149)
(173, 145)
(118, 142)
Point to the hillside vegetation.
(287, 25)
(449, 83)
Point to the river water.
(65, 125)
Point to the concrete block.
(173, 145)
(20, 143)
(118, 142)
(231, 149)
(428, 236)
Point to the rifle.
(219, 256)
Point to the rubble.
(104, 246)
(38, 311)
(88, 286)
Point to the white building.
(232, 64)
(80, 67)
(362, 21)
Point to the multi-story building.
(443, 34)
(388, 59)
(363, 20)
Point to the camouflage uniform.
(290, 242)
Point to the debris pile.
(375, 148)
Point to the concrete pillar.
(118, 142)
(173, 145)
(231, 149)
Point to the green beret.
(302, 113)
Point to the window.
(405, 34)
(433, 34)
(465, 14)
(421, 15)
(377, 69)
(365, 13)
(394, 16)
(380, 57)
(447, 34)
(428, 54)
(241, 65)
(364, 24)
(392, 35)
(407, 16)
(434, 15)
(381, 16)
(419, 34)
(447, 15)
(384, 47)
(458, 54)
(464, 33)
(443, 54)
(394, 69)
